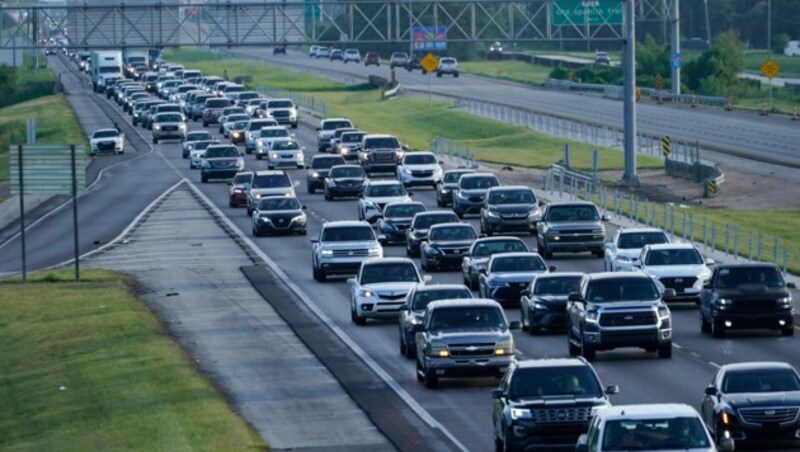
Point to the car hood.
(625, 305)
(279, 213)
(750, 291)
(525, 276)
(98, 140)
(354, 180)
(394, 288)
(162, 124)
(555, 401)
(271, 191)
(480, 261)
(349, 245)
(513, 208)
(470, 335)
(575, 225)
(662, 271)
(425, 167)
(388, 199)
(772, 399)
(630, 253)
(451, 243)
(474, 191)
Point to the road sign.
(770, 68)
(712, 186)
(658, 82)
(429, 62)
(666, 146)
(575, 12)
(47, 170)
(429, 38)
(675, 60)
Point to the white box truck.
(105, 64)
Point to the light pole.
(769, 45)
(629, 92)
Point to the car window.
(454, 176)
(285, 145)
(423, 297)
(271, 181)
(395, 272)
(633, 240)
(572, 213)
(168, 108)
(352, 137)
(403, 210)
(518, 264)
(674, 257)
(389, 142)
(169, 117)
(326, 162)
(426, 221)
(349, 171)
(452, 233)
(333, 125)
(621, 289)
(257, 125)
(217, 103)
(730, 277)
(765, 380)
(278, 203)
(458, 318)
(197, 136)
(679, 433)
(381, 191)
(280, 104)
(238, 117)
(561, 285)
(470, 183)
(511, 197)
(419, 159)
(554, 381)
(225, 151)
(202, 145)
(348, 234)
(106, 134)
(490, 247)
(243, 178)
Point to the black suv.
(546, 403)
(446, 246)
(396, 219)
(318, 170)
(544, 303)
(420, 225)
(509, 209)
(622, 309)
(746, 296)
(570, 227)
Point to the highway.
(463, 407)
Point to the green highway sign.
(599, 12)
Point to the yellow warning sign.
(770, 68)
(429, 62)
(666, 147)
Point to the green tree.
(716, 71)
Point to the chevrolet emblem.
(472, 348)
(628, 317)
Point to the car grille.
(452, 251)
(476, 198)
(281, 221)
(222, 164)
(470, 350)
(169, 128)
(381, 156)
(280, 114)
(422, 173)
(628, 318)
(350, 253)
(576, 236)
(391, 296)
(769, 415)
(678, 283)
(349, 184)
(106, 146)
(754, 305)
(561, 415)
(287, 156)
(514, 215)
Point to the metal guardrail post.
(750, 246)
(727, 239)
(760, 246)
(705, 230)
(775, 251)
(672, 220)
(736, 243)
(785, 257)
(691, 227)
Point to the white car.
(107, 140)
(266, 136)
(678, 266)
(377, 194)
(381, 287)
(449, 66)
(624, 249)
(323, 52)
(253, 131)
(419, 168)
(192, 138)
(230, 120)
(351, 55)
(286, 152)
(312, 51)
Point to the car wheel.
(411, 352)
(311, 190)
(467, 281)
(455, 75)
(423, 262)
(155, 140)
(705, 326)
(420, 374)
(403, 346)
(459, 214)
(328, 196)
(205, 123)
(256, 233)
(587, 351)
(573, 349)
(716, 329)
(600, 253)
(788, 331)
(300, 166)
(270, 167)
(665, 350)
(358, 320)
(431, 379)
(319, 275)
(204, 179)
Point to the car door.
(709, 403)
(707, 295)
(611, 252)
(576, 311)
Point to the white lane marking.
(676, 346)
(714, 365)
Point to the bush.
(779, 43)
(559, 73)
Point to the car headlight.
(535, 212)
(257, 196)
(385, 226)
(365, 293)
(432, 250)
(663, 312)
(156, 127)
(263, 219)
(299, 219)
(539, 306)
(237, 134)
(460, 195)
(520, 413)
(438, 350)
(785, 302)
(725, 301)
(326, 253)
(344, 150)
(315, 174)
(375, 252)
(189, 148)
(492, 213)
(504, 348)
(414, 320)
(403, 169)
(274, 155)
(238, 190)
(624, 259)
(400, 154)
(495, 283)
(591, 316)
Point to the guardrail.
(617, 92)
(454, 152)
(303, 101)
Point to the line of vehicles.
(447, 330)
(446, 65)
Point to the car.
(524, 415)
(471, 192)
(377, 194)
(417, 233)
(746, 297)
(323, 52)
(447, 66)
(220, 162)
(198, 152)
(448, 184)
(463, 337)
(419, 168)
(244, 98)
(147, 114)
(398, 59)
(279, 50)
(236, 131)
(237, 192)
(326, 129)
(396, 219)
(107, 140)
(267, 136)
(543, 305)
(621, 309)
(446, 245)
(251, 106)
(570, 227)
(279, 215)
(755, 404)
(282, 110)
(510, 208)
(268, 183)
(415, 62)
(349, 144)
(336, 54)
(380, 287)
(227, 112)
(285, 152)
(192, 138)
(380, 153)
(253, 132)
(351, 55)
(231, 91)
(212, 109)
(477, 257)
(622, 251)
(508, 274)
(495, 51)
(141, 107)
(168, 125)
(663, 426)
(229, 122)
(602, 58)
(318, 171)
(149, 117)
(197, 105)
(341, 248)
(678, 266)
(345, 181)
(312, 51)
(133, 98)
(336, 136)
(372, 58)
(412, 314)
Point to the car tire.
(311, 190)
(587, 351)
(717, 331)
(204, 179)
(320, 275)
(410, 353)
(270, 167)
(455, 75)
(439, 74)
(155, 140)
(459, 214)
(294, 125)
(788, 331)
(600, 253)
(573, 349)
(705, 326)
(431, 379)
(256, 233)
(205, 123)
(300, 166)
(665, 350)
(358, 320)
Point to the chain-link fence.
(303, 101)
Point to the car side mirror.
(122, 135)
(481, 235)
(538, 218)
(497, 393)
(314, 241)
(710, 261)
(583, 443)
(230, 183)
(574, 296)
(636, 265)
(727, 445)
(318, 129)
(418, 327)
(707, 285)
(482, 271)
(604, 218)
(525, 293)
(542, 203)
(405, 147)
(441, 162)
(711, 390)
(427, 278)
(351, 281)
(612, 389)
(382, 239)
(669, 293)
(791, 285)
(552, 268)
(515, 325)
(304, 207)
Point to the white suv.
(351, 55)
(678, 266)
(419, 168)
(624, 249)
(447, 65)
(380, 288)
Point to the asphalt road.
(462, 406)
(772, 139)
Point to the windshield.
(419, 159)
(326, 162)
(197, 136)
(239, 125)
(573, 213)
(511, 197)
(403, 210)
(554, 381)
(381, 191)
(477, 317)
(271, 181)
(169, 117)
(168, 108)
(426, 221)
(389, 142)
(285, 145)
(766, 380)
(272, 133)
(556, 285)
(201, 99)
(730, 277)
(234, 89)
(447, 61)
(425, 296)
(487, 248)
(348, 234)
(248, 96)
(478, 182)
(217, 103)
(258, 125)
(635, 240)
(680, 433)
(278, 203)
(106, 134)
(454, 176)
(238, 117)
(333, 125)
(618, 289)
(350, 171)
(108, 69)
(450, 233)
(674, 257)
(280, 104)
(233, 111)
(246, 178)
(395, 272)
(518, 264)
(226, 151)
(202, 145)
(352, 137)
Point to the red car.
(238, 188)
(372, 58)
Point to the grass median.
(87, 366)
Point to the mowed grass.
(515, 71)
(56, 123)
(790, 66)
(126, 385)
(413, 120)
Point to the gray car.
(508, 274)
(509, 209)
(477, 258)
(341, 248)
(418, 299)
(168, 125)
(221, 162)
(570, 227)
(471, 191)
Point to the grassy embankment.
(87, 366)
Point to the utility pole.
(769, 45)
(676, 46)
(708, 25)
(629, 93)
